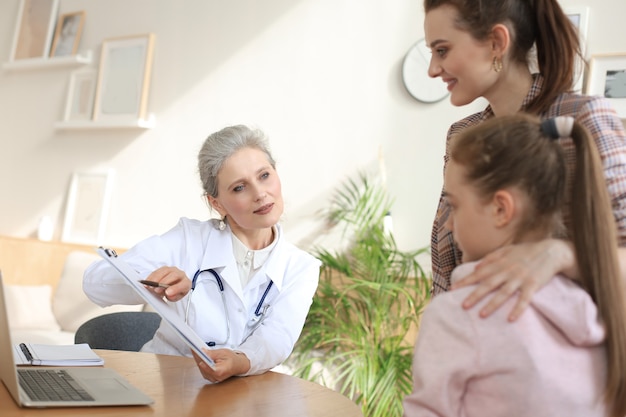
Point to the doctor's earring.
(222, 224)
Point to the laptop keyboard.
(51, 385)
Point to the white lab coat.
(194, 245)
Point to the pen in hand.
(153, 284)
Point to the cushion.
(70, 305)
(29, 308)
(42, 337)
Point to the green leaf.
(362, 323)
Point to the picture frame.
(87, 207)
(579, 16)
(607, 78)
(34, 29)
(80, 95)
(124, 79)
(67, 35)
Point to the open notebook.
(56, 355)
(73, 386)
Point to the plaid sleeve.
(443, 251)
(445, 255)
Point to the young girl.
(483, 48)
(566, 354)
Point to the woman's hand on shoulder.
(178, 282)
(517, 269)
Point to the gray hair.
(219, 146)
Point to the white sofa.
(50, 315)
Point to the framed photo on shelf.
(67, 35)
(34, 29)
(87, 207)
(124, 79)
(80, 95)
(579, 16)
(607, 78)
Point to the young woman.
(237, 282)
(566, 354)
(482, 48)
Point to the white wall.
(321, 77)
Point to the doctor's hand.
(227, 363)
(178, 284)
(517, 269)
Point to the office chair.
(128, 330)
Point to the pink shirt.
(550, 362)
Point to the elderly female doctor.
(237, 282)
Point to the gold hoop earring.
(496, 64)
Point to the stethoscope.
(259, 312)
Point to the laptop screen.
(8, 371)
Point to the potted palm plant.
(358, 337)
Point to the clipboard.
(182, 329)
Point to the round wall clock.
(415, 75)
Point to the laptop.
(77, 386)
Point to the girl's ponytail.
(594, 235)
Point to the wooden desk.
(179, 390)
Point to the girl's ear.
(500, 39)
(504, 208)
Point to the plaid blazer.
(597, 115)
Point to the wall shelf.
(41, 63)
(148, 123)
